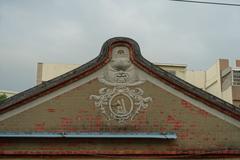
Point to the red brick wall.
(197, 130)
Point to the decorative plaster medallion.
(119, 102)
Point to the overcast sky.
(73, 31)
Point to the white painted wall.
(227, 94)
(196, 78)
(50, 71)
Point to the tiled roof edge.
(86, 69)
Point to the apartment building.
(220, 79)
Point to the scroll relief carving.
(119, 101)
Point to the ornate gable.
(121, 96)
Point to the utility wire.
(207, 2)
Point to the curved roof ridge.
(102, 59)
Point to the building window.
(236, 77)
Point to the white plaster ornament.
(119, 102)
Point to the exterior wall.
(46, 72)
(213, 82)
(119, 93)
(236, 95)
(178, 69)
(227, 95)
(238, 63)
(236, 91)
(226, 78)
(236, 103)
(196, 77)
(197, 130)
(216, 80)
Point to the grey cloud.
(61, 31)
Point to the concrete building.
(118, 106)
(46, 72)
(220, 79)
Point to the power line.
(207, 2)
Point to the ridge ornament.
(119, 102)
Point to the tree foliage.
(3, 97)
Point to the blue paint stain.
(141, 135)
